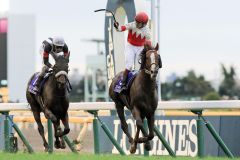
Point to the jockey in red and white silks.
(138, 35)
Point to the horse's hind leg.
(37, 118)
(124, 126)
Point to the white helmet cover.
(58, 41)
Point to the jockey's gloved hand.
(116, 24)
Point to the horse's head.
(60, 70)
(151, 60)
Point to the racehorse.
(140, 98)
(53, 101)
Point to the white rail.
(163, 105)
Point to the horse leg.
(124, 126)
(50, 115)
(57, 132)
(139, 122)
(37, 118)
(63, 145)
(150, 120)
(134, 144)
(65, 122)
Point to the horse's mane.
(142, 59)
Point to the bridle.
(147, 68)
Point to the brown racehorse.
(141, 97)
(53, 102)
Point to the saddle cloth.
(130, 78)
(32, 85)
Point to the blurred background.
(199, 45)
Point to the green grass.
(71, 156)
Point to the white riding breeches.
(131, 54)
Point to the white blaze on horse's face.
(153, 65)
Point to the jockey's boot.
(37, 83)
(124, 79)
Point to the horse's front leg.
(57, 133)
(65, 122)
(59, 142)
(139, 122)
(150, 120)
(124, 126)
(49, 115)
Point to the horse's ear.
(157, 47)
(67, 56)
(146, 46)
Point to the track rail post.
(200, 134)
(164, 142)
(50, 136)
(95, 132)
(20, 134)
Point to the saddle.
(131, 76)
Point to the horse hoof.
(133, 149)
(63, 145)
(147, 146)
(46, 149)
(57, 145)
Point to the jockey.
(138, 35)
(53, 46)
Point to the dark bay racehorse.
(53, 102)
(141, 98)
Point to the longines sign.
(180, 132)
(181, 135)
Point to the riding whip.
(107, 11)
